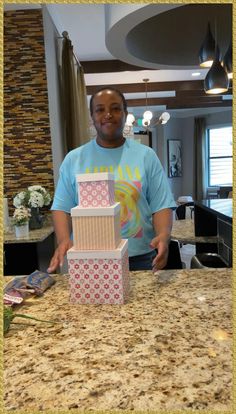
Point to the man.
(140, 186)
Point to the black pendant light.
(207, 50)
(216, 80)
(227, 61)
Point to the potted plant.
(35, 197)
(21, 218)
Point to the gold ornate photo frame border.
(234, 152)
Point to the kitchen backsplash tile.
(27, 140)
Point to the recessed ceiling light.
(196, 74)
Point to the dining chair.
(180, 211)
(174, 259)
(224, 191)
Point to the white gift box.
(96, 228)
(99, 276)
(96, 190)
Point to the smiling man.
(140, 186)
(109, 111)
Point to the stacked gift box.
(98, 261)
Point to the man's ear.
(90, 116)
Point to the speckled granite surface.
(169, 348)
(183, 230)
(35, 236)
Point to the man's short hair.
(109, 88)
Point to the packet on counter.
(21, 287)
(39, 282)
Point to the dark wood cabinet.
(214, 218)
(205, 223)
(25, 258)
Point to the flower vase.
(22, 231)
(36, 219)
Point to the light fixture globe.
(145, 122)
(207, 50)
(148, 115)
(164, 118)
(130, 119)
(216, 80)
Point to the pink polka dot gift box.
(96, 228)
(96, 189)
(99, 277)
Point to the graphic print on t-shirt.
(127, 192)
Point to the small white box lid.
(94, 177)
(118, 253)
(95, 211)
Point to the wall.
(51, 42)
(219, 119)
(27, 140)
(183, 129)
(187, 125)
(172, 130)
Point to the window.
(219, 142)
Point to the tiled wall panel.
(27, 141)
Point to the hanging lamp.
(164, 118)
(216, 80)
(147, 116)
(145, 122)
(227, 61)
(130, 119)
(207, 50)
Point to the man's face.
(108, 115)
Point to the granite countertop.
(183, 230)
(168, 348)
(35, 236)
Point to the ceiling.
(121, 44)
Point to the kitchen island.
(215, 218)
(219, 207)
(168, 348)
(183, 231)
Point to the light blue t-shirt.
(141, 186)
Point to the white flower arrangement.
(34, 196)
(21, 216)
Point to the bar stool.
(224, 191)
(183, 202)
(174, 259)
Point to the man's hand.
(162, 223)
(59, 254)
(161, 243)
